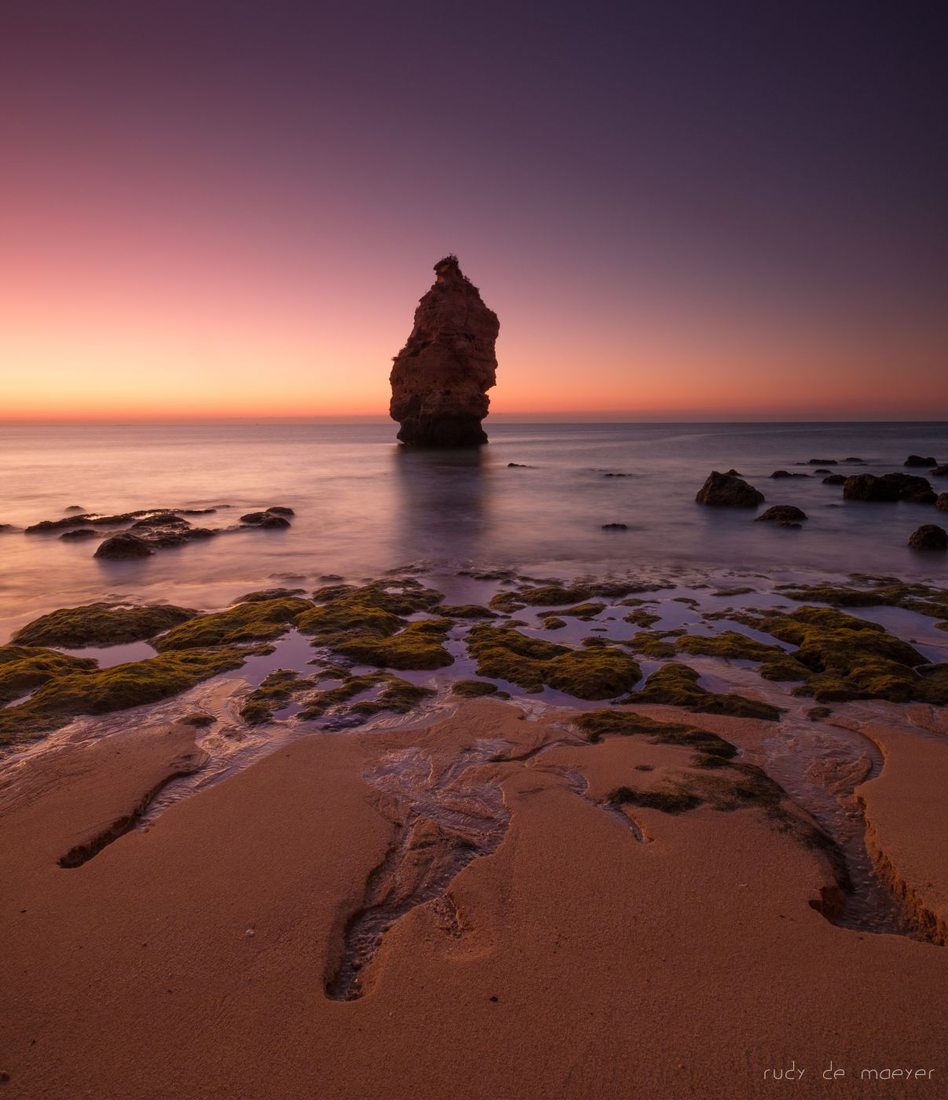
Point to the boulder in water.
(784, 515)
(888, 488)
(124, 547)
(918, 460)
(929, 537)
(728, 491)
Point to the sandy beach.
(594, 952)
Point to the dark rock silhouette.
(889, 487)
(942, 502)
(920, 460)
(784, 515)
(728, 491)
(124, 546)
(929, 537)
(441, 376)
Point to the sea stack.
(441, 376)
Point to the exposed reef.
(441, 376)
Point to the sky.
(678, 210)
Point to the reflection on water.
(536, 499)
(444, 502)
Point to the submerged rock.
(942, 502)
(941, 471)
(272, 517)
(889, 487)
(123, 547)
(918, 460)
(615, 527)
(728, 491)
(835, 479)
(784, 515)
(441, 376)
(80, 533)
(929, 537)
(786, 473)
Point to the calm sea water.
(364, 505)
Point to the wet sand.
(558, 947)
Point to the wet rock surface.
(784, 515)
(888, 488)
(441, 376)
(728, 491)
(929, 537)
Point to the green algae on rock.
(730, 644)
(256, 620)
(677, 685)
(275, 691)
(101, 624)
(841, 657)
(418, 646)
(25, 668)
(399, 696)
(711, 750)
(651, 643)
(473, 689)
(101, 691)
(596, 671)
(875, 592)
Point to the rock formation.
(728, 491)
(441, 376)
(889, 487)
(929, 537)
(784, 515)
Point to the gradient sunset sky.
(678, 210)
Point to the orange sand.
(576, 961)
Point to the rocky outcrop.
(441, 376)
(941, 502)
(728, 491)
(941, 471)
(889, 487)
(929, 537)
(777, 474)
(920, 460)
(835, 479)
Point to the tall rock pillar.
(441, 376)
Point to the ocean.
(364, 505)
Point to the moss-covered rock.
(418, 646)
(100, 691)
(25, 668)
(875, 592)
(272, 694)
(584, 611)
(318, 704)
(467, 611)
(596, 671)
(473, 689)
(258, 620)
(397, 695)
(710, 750)
(841, 657)
(101, 624)
(730, 644)
(652, 644)
(677, 685)
(642, 618)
